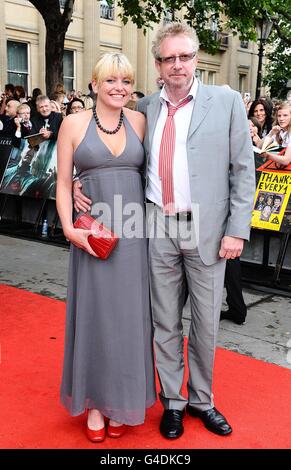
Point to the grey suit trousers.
(174, 259)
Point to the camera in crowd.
(247, 97)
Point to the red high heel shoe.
(116, 431)
(93, 435)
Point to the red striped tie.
(166, 158)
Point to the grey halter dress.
(108, 360)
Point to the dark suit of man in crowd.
(7, 124)
(46, 121)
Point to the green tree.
(278, 69)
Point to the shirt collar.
(192, 92)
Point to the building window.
(69, 70)
(244, 44)
(17, 59)
(200, 74)
(242, 82)
(167, 16)
(211, 78)
(106, 11)
(63, 4)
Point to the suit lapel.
(202, 105)
(153, 111)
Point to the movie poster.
(31, 171)
(271, 199)
(5, 151)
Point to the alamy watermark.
(140, 220)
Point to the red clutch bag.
(104, 241)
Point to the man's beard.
(174, 85)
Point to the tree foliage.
(209, 16)
(278, 69)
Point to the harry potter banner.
(28, 171)
(5, 151)
(271, 199)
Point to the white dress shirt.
(286, 138)
(182, 120)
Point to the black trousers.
(233, 285)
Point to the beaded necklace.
(103, 128)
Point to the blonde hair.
(174, 29)
(283, 105)
(112, 64)
(56, 105)
(22, 106)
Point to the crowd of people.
(21, 115)
(197, 174)
(37, 120)
(270, 121)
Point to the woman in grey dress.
(108, 362)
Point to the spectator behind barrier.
(60, 98)
(55, 106)
(91, 92)
(255, 130)
(76, 105)
(32, 102)
(23, 124)
(137, 95)
(7, 124)
(281, 135)
(262, 111)
(5, 96)
(19, 94)
(46, 121)
(88, 102)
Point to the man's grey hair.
(174, 29)
(41, 98)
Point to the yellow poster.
(271, 199)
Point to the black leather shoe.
(229, 316)
(212, 419)
(171, 425)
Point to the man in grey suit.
(213, 190)
(214, 179)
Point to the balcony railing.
(107, 12)
(223, 40)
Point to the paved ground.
(42, 268)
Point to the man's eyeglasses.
(172, 59)
(76, 108)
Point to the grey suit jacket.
(220, 163)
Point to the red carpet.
(255, 396)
